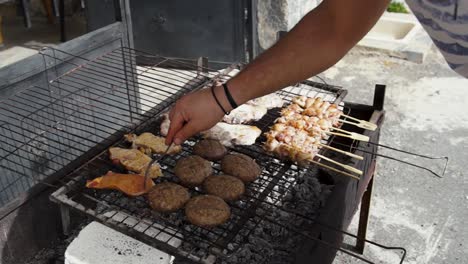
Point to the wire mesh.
(116, 208)
(88, 105)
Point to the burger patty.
(168, 197)
(210, 149)
(228, 188)
(207, 211)
(192, 170)
(241, 166)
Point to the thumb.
(188, 130)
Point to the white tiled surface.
(99, 244)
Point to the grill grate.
(113, 207)
(88, 107)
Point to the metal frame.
(34, 70)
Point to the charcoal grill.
(112, 208)
(63, 108)
(90, 104)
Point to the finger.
(188, 130)
(171, 113)
(177, 122)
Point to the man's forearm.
(316, 43)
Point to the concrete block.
(391, 36)
(99, 244)
(14, 54)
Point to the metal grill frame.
(60, 195)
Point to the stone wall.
(279, 15)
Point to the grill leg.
(65, 213)
(364, 217)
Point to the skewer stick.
(335, 170)
(352, 155)
(345, 135)
(364, 122)
(361, 125)
(347, 167)
(351, 134)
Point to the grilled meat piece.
(245, 113)
(192, 170)
(207, 211)
(134, 160)
(269, 101)
(227, 134)
(230, 135)
(228, 188)
(209, 149)
(168, 197)
(241, 166)
(165, 124)
(130, 184)
(149, 143)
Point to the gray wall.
(279, 15)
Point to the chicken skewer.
(318, 107)
(318, 127)
(283, 126)
(298, 145)
(305, 154)
(297, 134)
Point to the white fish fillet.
(245, 113)
(166, 123)
(229, 134)
(269, 101)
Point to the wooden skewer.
(349, 134)
(361, 125)
(364, 122)
(335, 170)
(343, 152)
(329, 167)
(345, 135)
(347, 167)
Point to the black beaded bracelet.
(229, 96)
(217, 101)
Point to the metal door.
(218, 29)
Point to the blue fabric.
(446, 21)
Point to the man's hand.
(317, 42)
(193, 113)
